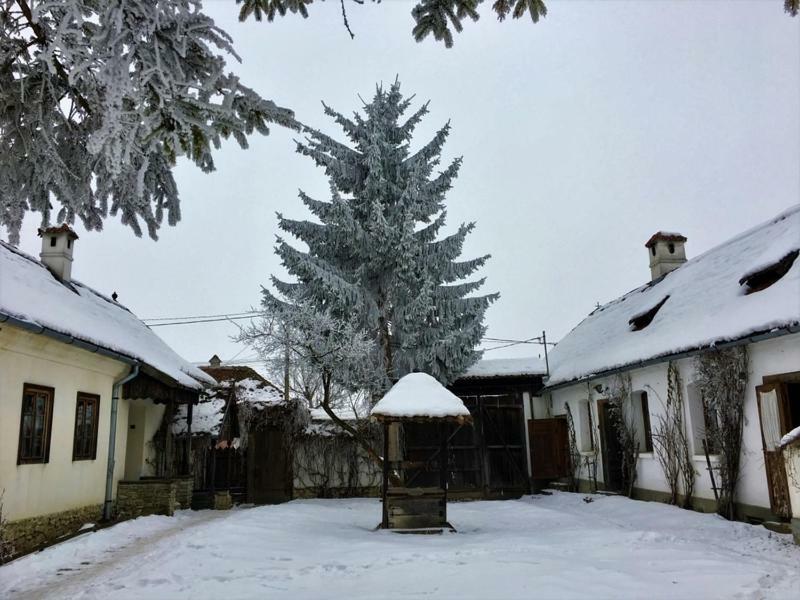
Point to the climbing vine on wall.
(622, 419)
(6, 549)
(574, 451)
(722, 376)
(590, 458)
(333, 464)
(671, 443)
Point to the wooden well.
(415, 488)
(415, 482)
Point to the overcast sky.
(581, 136)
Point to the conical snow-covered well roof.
(418, 396)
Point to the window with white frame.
(700, 418)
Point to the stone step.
(778, 527)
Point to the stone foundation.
(222, 500)
(146, 497)
(29, 534)
(184, 486)
(796, 530)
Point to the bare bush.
(671, 443)
(722, 375)
(622, 419)
(333, 464)
(574, 451)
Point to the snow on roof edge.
(688, 350)
(491, 368)
(19, 277)
(770, 312)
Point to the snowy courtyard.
(554, 546)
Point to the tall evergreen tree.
(374, 252)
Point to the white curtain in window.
(770, 419)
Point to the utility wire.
(253, 316)
(235, 314)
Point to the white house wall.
(144, 419)
(772, 357)
(60, 484)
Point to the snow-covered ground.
(540, 546)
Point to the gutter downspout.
(112, 442)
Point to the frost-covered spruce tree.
(99, 98)
(375, 251)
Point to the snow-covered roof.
(505, 367)
(420, 396)
(702, 303)
(258, 394)
(29, 292)
(322, 425)
(208, 414)
(207, 417)
(344, 413)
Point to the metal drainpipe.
(112, 442)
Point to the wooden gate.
(486, 457)
(771, 403)
(269, 473)
(549, 449)
(502, 423)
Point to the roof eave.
(65, 338)
(748, 339)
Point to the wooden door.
(549, 440)
(610, 448)
(269, 474)
(771, 413)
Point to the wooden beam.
(188, 446)
(385, 519)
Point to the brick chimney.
(57, 246)
(666, 253)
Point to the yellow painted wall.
(60, 484)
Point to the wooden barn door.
(502, 423)
(269, 474)
(549, 448)
(771, 409)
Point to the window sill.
(714, 458)
(650, 455)
(83, 458)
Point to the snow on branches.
(99, 99)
